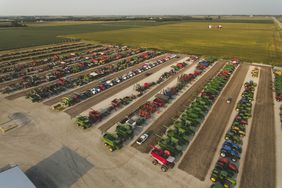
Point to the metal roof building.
(13, 177)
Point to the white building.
(14, 177)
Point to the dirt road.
(277, 22)
(88, 71)
(199, 156)
(260, 164)
(104, 127)
(84, 105)
(166, 119)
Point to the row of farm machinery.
(278, 84)
(148, 109)
(104, 85)
(40, 65)
(77, 64)
(11, 58)
(226, 168)
(63, 70)
(20, 70)
(118, 103)
(183, 129)
(64, 84)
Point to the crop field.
(249, 42)
(61, 23)
(21, 37)
(79, 114)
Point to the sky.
(139, 7)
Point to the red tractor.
(162, 157)
(144, 113)
(159, 102)
(116, 103)
(94, 116)
(279, 97)
(150, 107)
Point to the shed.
(14, 177)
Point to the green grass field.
(62, 23)
(250, 42)
(21, 37)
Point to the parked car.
(142, 138)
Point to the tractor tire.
(155, 162)
(164, 168)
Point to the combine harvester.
(162, 157)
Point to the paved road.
(166, 119)
(260, 164)
(199, 156)
(84, 105)
(132, 108)
(277, 22)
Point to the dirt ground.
(54, 153)
(260, 165)
(158, 127)
(200, 154)
(84, 105)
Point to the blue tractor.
(227, 151)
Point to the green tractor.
(83, 121)
(167, 144)
(185, 129)
(234, 137)
(124, 131)
(35, 98)
(222, 177)
(177, 137)
(111, 141)
(67, 101)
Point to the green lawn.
(250, 42)
(21, 37)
